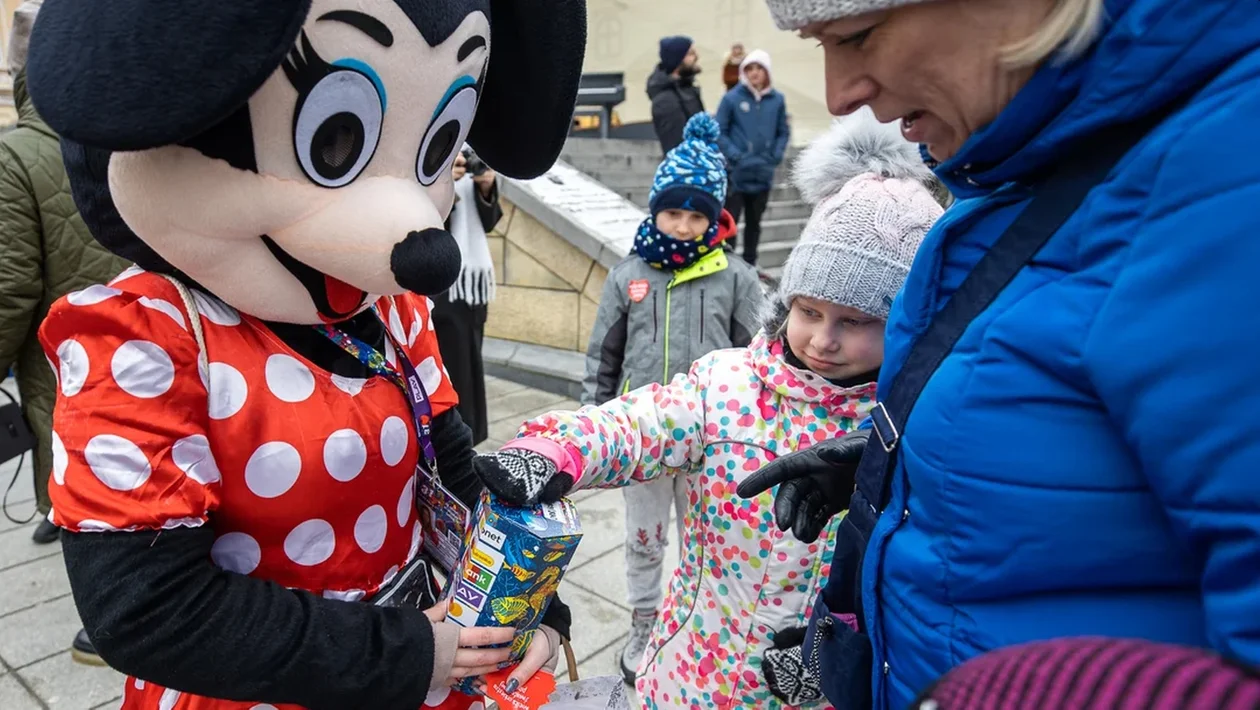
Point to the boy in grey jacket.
(676, 298)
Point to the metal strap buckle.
(884, 428)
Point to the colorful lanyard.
(407, 380)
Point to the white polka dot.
(215, 310)
(183, 523)
(74, 366)
(90, 525)
(193, 456)
(202, 372)
(288, 379)
(273, 469)
(92, 295)
(139, 684)
(396, 326)
(352, 595)
(166, 307)
(430, 375)
(349, 385)
(263, 706)
(417, 324)
(227, 390)
(369, 529)
(53, 366)
(345, 454)
(391, 357)
(61, 460)
(127, 273)
(118, 463)
(415, 542)
(407, 502)
(310, 543)
(142, 369)
(236, 552)
(389, 575)
(168, 699)
(394, 439)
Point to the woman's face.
(936, 66)
(834, 341)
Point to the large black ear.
(137, 74)
(526, 110)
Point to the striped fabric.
(1096, 674)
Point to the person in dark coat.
(673, 91)
(755, 134)
(459, 316)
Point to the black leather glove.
(522, 477)
(787, 673)
(814, 484)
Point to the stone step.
(786, 209)
(781, 194)
(773, 254)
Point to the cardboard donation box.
(511, 567)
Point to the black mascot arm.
(157, 608)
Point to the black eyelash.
(304, 67)
(855, 39)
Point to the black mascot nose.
(426, 262)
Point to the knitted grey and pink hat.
(1096, 674)
(795, 14)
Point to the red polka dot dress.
(307, 477)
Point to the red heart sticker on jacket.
(638, 290)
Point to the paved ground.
(38, 618)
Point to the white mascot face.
(308, 173)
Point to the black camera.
(475, 165)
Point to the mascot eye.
(447, 132)
(337, 128)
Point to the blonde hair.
(1070, 29)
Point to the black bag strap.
(1054, 199)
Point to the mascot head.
(293, 157)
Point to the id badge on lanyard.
(444, 519)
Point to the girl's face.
(834, 341)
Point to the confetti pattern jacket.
(740, 580)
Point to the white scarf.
(475, 285)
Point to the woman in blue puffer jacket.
(1086, 458)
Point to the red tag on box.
(532, 695)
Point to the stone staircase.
(627, 166)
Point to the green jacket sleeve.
(21, 268)
(606, 350)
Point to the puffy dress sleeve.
(129, 444)
(410, 321)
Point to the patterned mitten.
(789, 678)
(521, 476)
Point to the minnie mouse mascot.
(243, 418)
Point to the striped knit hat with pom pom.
(693, 175)
(872, 210)
(1095, 674)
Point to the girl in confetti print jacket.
(743, 589)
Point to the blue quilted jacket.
(1087, 460)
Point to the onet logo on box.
(493, 538)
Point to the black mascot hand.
(787, 672)
(522, 477)
(814, 484)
